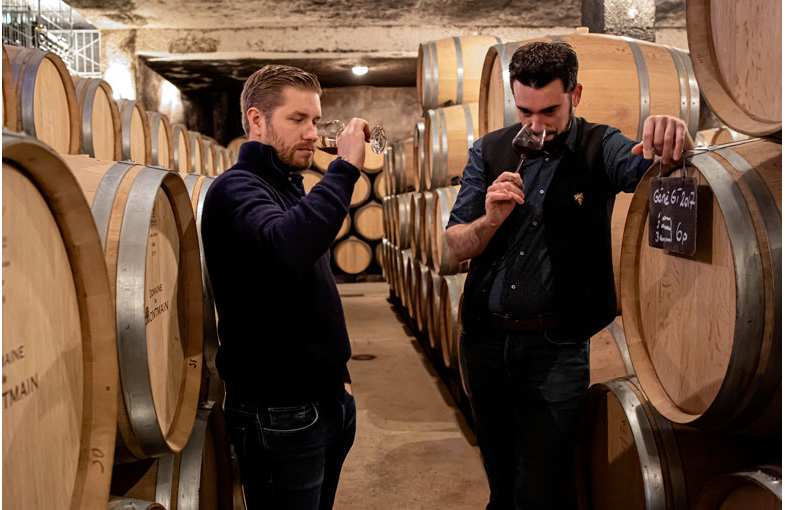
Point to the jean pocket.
(291, 419)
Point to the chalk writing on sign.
(673, 214)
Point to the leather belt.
(531, 325)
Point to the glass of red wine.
(528, 143)
(328, 136)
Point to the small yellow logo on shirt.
(579, 198)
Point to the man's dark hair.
(536, 64)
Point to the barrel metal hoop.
(695, 95)
(510, 117)
(467, 115)
(131, 328)
(31, 63)
(643, 82)
(458, 70)
(681, 72)
(772, 220)
(766, 480)
(163, 480)
(617, 332)
(749, 278)
(104, 198)
(675, 469)
(444, 150)
(431, 75)
(155, 124)
(191, 463)
(87, 116)
(645, 442)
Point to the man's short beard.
(285, 154)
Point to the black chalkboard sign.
(673, 214)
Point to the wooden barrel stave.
(181, 149)
(449, 134)
(135, 132)
(726, 39)
(449, 70)
(58, 430)
(443, 260)
(10, 99)
(147, 226)
(449, 301)
(738, 264)
(46, 98)
(101, 126)
(624, 80)
(368, 221)
(160, 140)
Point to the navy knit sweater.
(267, 249)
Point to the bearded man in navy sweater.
(284, 343)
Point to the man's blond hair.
(263, 89)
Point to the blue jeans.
(526, 392)
(291, 457)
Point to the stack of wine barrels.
(699, 423)
(128, 358)
(357, 246)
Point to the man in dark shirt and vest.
(540, 282)
(284, 343)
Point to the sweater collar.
(262, 159)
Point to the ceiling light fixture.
(360, 70)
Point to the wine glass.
(328, 135)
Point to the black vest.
(577, 222)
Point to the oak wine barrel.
(47, 107)
(443, 260)
(160, 140)
(380, 187)
(415, 293)
(10, 101)
(212, 385)
(322, 159)
(351, 255)
(148, 231)
(199, 477)
(433, 318)
(608, 355)
(401, 219)
(310, 179)
(181, 149)
(630, 457)
(209, 161)
(449, 298)
(368, 221)
(362, 191)
(101, 127)
(449, 134)
(425, 218)
(621, 206)
(346, 227)
(418, 155)
(60, 373)
(373, 162)
(727, 41)
(624, 81)
(718, 136)
(403, 166)
(728, 295)
(414, 224)
(387, 170)
(234, 147)
(197, 156)
(760, 489)
(135, 132)
(449, 70)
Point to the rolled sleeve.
(470, 204)
(624, 168)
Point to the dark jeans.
(291, 457)
(526, 392)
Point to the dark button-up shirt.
(281, 324)
(523, 283)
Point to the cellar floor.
(413, 448)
